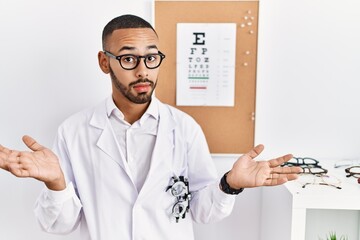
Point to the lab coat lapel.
(106, 140)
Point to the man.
(133, 167)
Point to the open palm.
(247, 172)
(41, 164)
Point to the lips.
(142, 87)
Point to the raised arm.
(248, 173)
(40, 163)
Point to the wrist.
(56, 185)
(226, 188)
(231, 180)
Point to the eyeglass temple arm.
(109, 54)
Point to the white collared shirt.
(136, 142)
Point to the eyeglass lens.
(178, 188)
(313, 170)
(303, 161)
(178, 210)
(130, 61)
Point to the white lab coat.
(101, 194)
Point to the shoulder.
(82, 118)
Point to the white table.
(284, 208)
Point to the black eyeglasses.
(131, 61)
(308, 165)
(353, 171)
(298, 161)
(313, 169)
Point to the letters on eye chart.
(205, 64)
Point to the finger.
(18, 171)
(7, 160)
(13, 157)
(253, 153)
(291, 177)
(280, 179)
(3, 162)
(287, 170)
(271, 181)
(3, 155)
(32, 144)
(280, 160)
(275, 182)
(4, 149)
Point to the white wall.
(308, 89)
(308, 84)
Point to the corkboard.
(227, 129)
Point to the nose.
(141, 70)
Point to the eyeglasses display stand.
(286, 209)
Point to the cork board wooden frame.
(227, 129)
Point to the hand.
(41, 164)
(247, 172)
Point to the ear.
(104, 62)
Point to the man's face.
(136, 85)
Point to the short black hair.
(123, 22)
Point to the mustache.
(142, 80)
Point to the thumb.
(253, 153)
(32, 144)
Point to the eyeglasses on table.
(308, 165)
(299, 161)
(321, 180)
(353, 171)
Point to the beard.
(139, 98)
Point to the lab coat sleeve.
(209, 203)
(59, 211)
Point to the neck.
(132, 111)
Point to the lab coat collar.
(152, 110)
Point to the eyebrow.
(133, 48)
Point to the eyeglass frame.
(138, 58)
(302, 159)
(323, 183)
(324, 180)
(309, 167)
(352, 174)
(179, 188)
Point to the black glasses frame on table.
(300, 161)
(353, 171)
(313, 169)
(308, 165)
(131, 61)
